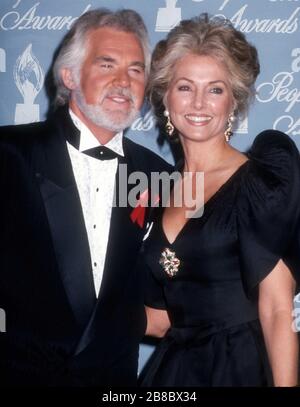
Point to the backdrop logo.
(168, 17)
(2, 60)
(2, 320)
(29, 79)
(283, 90)
(225, 2)
(242, 126)
(296, 314)
(263, 25)
(16, 20)
(145, 123)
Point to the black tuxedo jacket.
(57, 332)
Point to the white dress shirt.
(95, 181)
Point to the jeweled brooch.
(170, 262)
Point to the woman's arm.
(276, 293)
(158, 322)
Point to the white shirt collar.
(88, 140)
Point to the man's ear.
(67, 78)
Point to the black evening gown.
(250, 223)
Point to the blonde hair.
(211, 36)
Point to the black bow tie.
(101, 153)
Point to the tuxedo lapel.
(122, 235)
(61, 199)
(123, 243)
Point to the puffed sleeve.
(268, 209)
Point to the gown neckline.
(208, 205)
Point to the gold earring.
(169, 126)
(228, 132)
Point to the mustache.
(122, 92)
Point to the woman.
(219, 285)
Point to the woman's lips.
(198, 119)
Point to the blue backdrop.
(31, 30)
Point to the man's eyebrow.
(138, 63)
(107, 58)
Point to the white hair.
(73, 48)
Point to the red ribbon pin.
(138, 213)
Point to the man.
(72, 299)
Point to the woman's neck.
(206, 155)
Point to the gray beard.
(109, 120)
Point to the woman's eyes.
(184, 88)
(215, 90)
